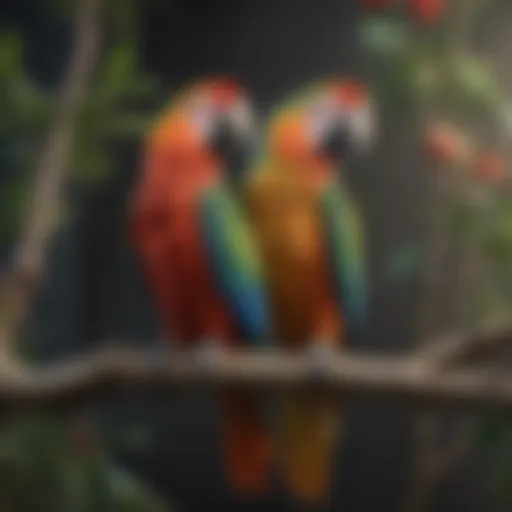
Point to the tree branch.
(22, 281)
(120, 370)
(461, 347)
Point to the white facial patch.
(360, 123)
(363, 128)
(243, 119)
(203, 114)
(322, 114)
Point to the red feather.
(167, 234)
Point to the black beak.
(336, 143)
(229, 145)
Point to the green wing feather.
(344, 235)
(235, 263)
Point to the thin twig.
(489, 340)
(23, 279)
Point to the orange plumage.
(292, 196)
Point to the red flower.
(490, 166)
(445, 145)
(427, 11)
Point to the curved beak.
(335, 144)
(350, 133)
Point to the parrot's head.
(209, 125)
(318, 129)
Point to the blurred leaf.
(37, 466)
(504, 114)
(502, 458)
(57, 8)
(384, 37)
(29, 347)
(11, 55)
(426, 77)
(118, 69)
(497, 238)
(76, 492)
(13, 197)
(34, 106)
(407, 81)
(136, 438)
(128, 126)
(404, 262)
(123, 17)
(460, 220)
(144, 87)
(130, 495)
(473, 82)
(93, 165)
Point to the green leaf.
(404, 262)
(131, 495)
(118, 69)
(123, 16)
(503, 467)
(11, 55)
(460, 221)
(135, 438)
(384, 37)
(61, 9)
(34, 106)
(504, 115)
(40, 471)
(75, 489)
(128, 126)
(426, 77)
(492, 431)
(144, 87)
(12, 199)
(473, 82)
(94, 165)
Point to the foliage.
(116, 114)
(413, 64)
(62, 465)
(25, 113)
(49, 464)
(422, 70)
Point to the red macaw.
(199, 256)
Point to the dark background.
(95, 293)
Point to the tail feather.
(310, 430)
(247, 445)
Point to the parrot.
(200, 258)
(310, 232)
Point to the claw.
(320, 356)
(208, 353)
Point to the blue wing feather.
(235, 264)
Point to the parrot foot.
(208, 353)
(319, 356)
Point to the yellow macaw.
(311, 237)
